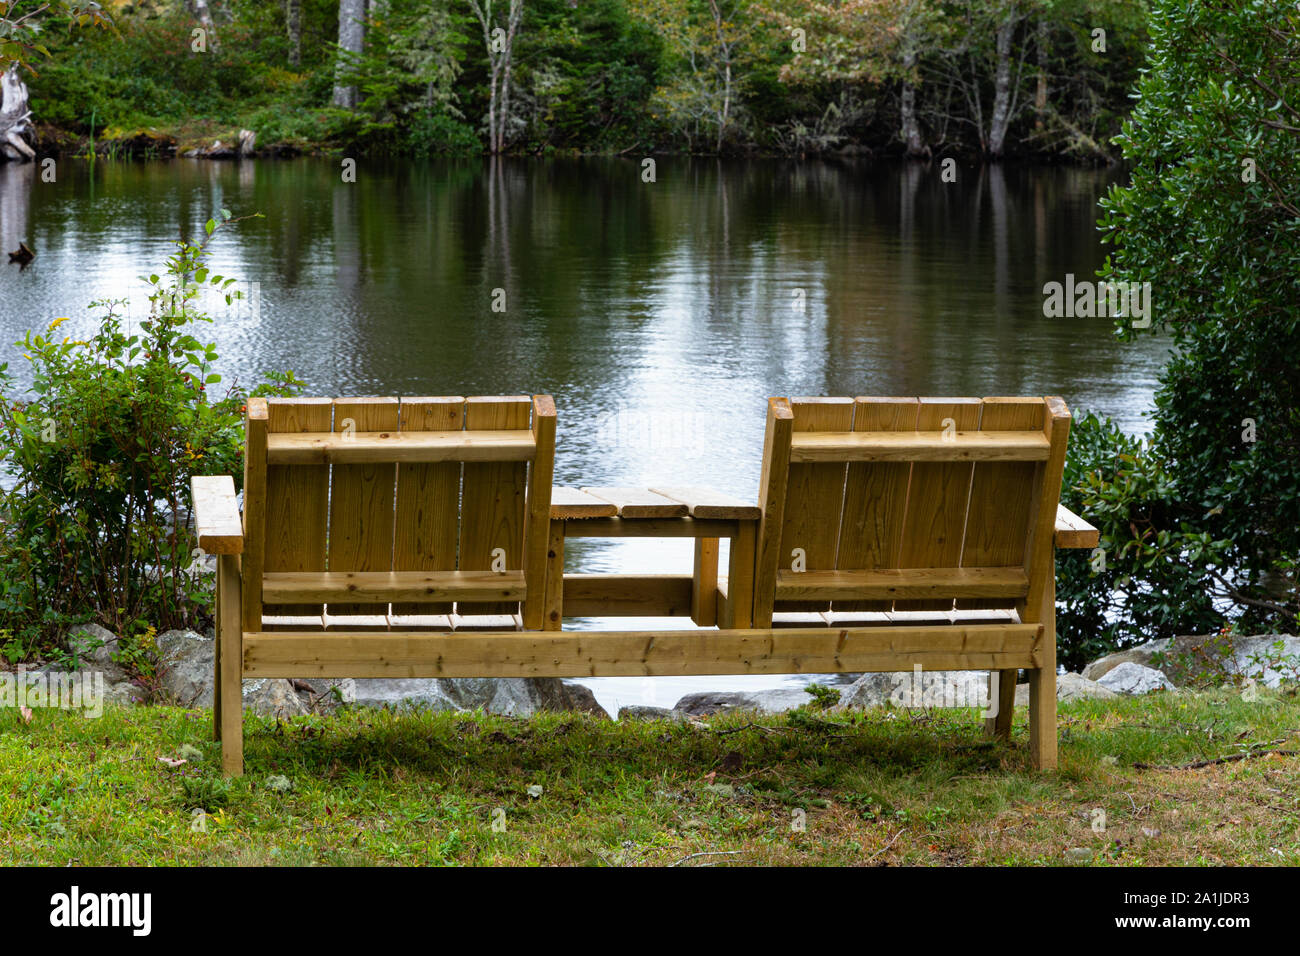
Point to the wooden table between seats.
(660, 512)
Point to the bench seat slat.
(904, 583)
(354, 448)
(918, 446)
(381, 587)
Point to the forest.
(1041, 79)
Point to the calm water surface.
(660, 315)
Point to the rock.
(1068, 687)
(273, 697)
(935, 689)
(1142, 654)
(1133, 679)
(645, 712)
(774, 701)
(1208, 657)
(515, 696)
(186, 667)
(247, 142)
(186, 674)
(325, 695)
(94, 647)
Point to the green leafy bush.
(98, 457)
(1154, 576)
(1210, 218)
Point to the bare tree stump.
(14, 114)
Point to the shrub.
(1154, 576)
(1210, 219)
(99, 455)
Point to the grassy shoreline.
(877, 788)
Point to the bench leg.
(1042, 691)
(1002, 696)
(228, 697)
(553, 616)
(704, 583)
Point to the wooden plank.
(643, 653)
(493, 497)
(361, 499)
(741, 560)
(627, 595)
(997, 517)
(704, 583)
(814, 497)
(569, 503)
(420, 588)
(772, 485)
(639, 503)
(937, 497)
(253, 560)
(875, 498)
(1040, 604)
(896, 583)
(538, 519)
(1073, 532)
(229, 662)
(427, 525)
(706, 503)
(297, 497)
(963, 445)
(365, 447)
(217, 524)
(650, 528)
(555, 577)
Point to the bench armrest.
(1073, 532)
(216, 514)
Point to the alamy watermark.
(66, 690)
(1088, 300)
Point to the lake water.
(660, 315)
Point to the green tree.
(1210, 218)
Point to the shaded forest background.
(1032, 78)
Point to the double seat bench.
(422, 537)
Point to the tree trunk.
(1001, 118)
(293, 23)
(1040, 95)
(14, 113)
(203, 13)
(911, 129)
(352, 37)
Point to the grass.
(883, 787)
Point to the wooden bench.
(419, 517)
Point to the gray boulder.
(186, 662)
(1133, 679)
(646, 712)
(514, 696)
(774, 701)
(273, 697)
(900, 688)
(1188, 658)
(186, 675)
(1142, 654)
(1068, 687)
(94, 647)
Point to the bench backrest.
(387, 484)
(908, 504)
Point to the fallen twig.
(706, 853)
(1198, 764)
(884, 848)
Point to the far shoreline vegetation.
(1040, 81)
